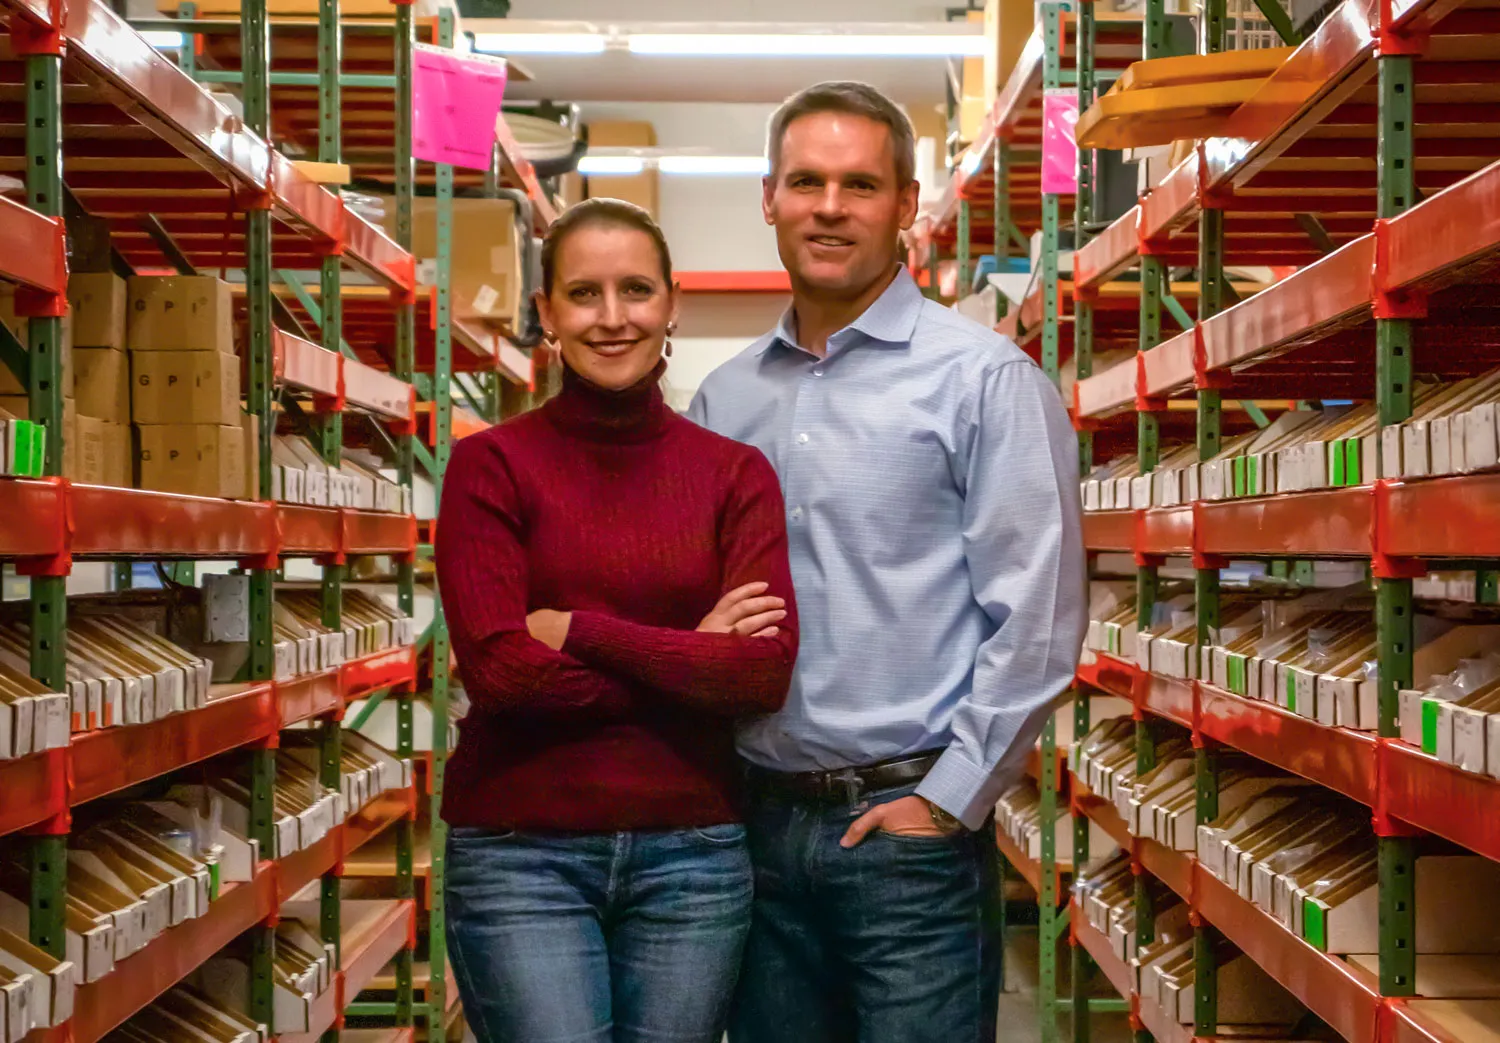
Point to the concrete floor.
(1020, 1021)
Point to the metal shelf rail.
(1354, 164)
(109, 116)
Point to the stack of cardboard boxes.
(99, 440)
(157, 351)
(185, 388)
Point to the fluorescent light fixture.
(163, 40)
(753, 165)
(608, 166)
(808, 45)
(540, 43)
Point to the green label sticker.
(1315, 924)
(1353, 457)
(1430, 711)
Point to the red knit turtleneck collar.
(635, 414)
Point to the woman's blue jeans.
(600, 938)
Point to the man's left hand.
(550, 627)
(907, 817)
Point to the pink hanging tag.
(1059, 146)
(455, 102)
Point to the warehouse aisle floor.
(1018, 1009)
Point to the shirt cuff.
(961, 788)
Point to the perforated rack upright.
(1354, 166)
(236, 203)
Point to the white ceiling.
(619, 76)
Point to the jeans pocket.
(725, 835)
(924, 839)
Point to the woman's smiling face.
(610, 305)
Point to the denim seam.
(466, 981)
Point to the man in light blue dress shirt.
(931, 483)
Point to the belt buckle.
(852, 783)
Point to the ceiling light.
(808, 45)
(753, 165)
(540, 43)
(611, 166)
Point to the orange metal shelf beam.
(49, 520)
(98, 763)
(35, 253)
(735, 282)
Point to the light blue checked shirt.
(931, 481)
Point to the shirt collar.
(891, 319)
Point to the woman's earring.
(671, 329)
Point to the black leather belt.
(842, 785)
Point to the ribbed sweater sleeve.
(720, 673)
(482, 576)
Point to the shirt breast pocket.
(893, 481)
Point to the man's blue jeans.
(894, 941)
(605, 938)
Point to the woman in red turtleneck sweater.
(615, 579)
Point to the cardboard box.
(487, 276)
(180, 313)
(102, 383)
(98, 304)
(1008, 24)
(250, 432)
(640, 189)
(91, 452)
(185, 387)
(193, 459)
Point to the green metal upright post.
(442, 376)
(406, 586)
(1081, 967)
(1052, 919)
(1211, 300)
(255, 36)
(49, 594)
(965, 248)
(1394, 615)
(331, 437)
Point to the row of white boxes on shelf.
(1314, 654)
(1163, 972)
(300, 475)
(146, 867)
(1301, 854)
(304, 645)
(1454, 429)
(124, 670)
(119, 673)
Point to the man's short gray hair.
(856, 99)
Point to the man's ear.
(909, 194)
(767, 197)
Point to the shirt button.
(796, 514)
(818, 372)
(803, 438)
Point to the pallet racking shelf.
(1353, 173)
(113, 128)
